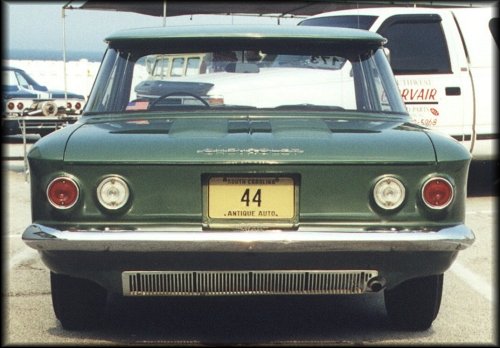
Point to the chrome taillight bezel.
(395, 183)
(121, 183)
(433, 206)
(58, 205)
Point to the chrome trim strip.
(224, 283)
(305, 239)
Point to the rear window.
(315, 77)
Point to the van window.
(177, 67)
(161, 68)
(193, 66)
(356, 22)
(417, 44)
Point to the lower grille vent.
(211, 283)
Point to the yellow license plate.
(251, 198)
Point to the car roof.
(247, 32)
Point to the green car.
(272, 160)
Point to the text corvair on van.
(443, 61)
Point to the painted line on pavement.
(480, 212)
(473, 280)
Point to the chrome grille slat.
(196, 283)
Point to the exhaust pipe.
(376, 284)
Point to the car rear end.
(274, 192)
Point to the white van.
(443, 60)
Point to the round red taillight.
(68, 105)
(10, 106)
(437, 193)
(20, 106)
(63, 193)
(78, 106)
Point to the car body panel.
(187, 34)
(246, 139)
(201, 187)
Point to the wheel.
(203, 101)
(79, 304)
(414, 304)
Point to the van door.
(431, 73)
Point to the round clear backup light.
(113, 193)
(389, 193)
(437, 193)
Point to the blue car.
(23, 96)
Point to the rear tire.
(79, 304)
(414, 304)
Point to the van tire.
(79, 304)
(414, 304)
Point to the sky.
(40, 25)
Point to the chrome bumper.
(305, 239)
